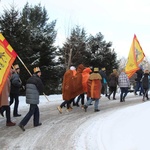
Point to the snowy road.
(75, 130)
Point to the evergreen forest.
(32, 35)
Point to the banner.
(135, 57)
(7, 57)
(138, 51)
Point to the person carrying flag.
(4, 103)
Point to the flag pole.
(30, 73)
(24, 65)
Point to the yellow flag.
(7, 57)
(138, 51)
(135, 57)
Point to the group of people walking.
(76, 83)
(11, 88)
(141, 83)
(97, 83)
(34, 87)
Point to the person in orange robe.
(94, 89)
(85, 75)
(71, 87)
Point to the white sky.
(122, 129)
(117, 20)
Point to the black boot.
(121, 99)
(77, 104)
(2, 111)
(114, 95)
(85, 108)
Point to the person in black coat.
(34, 87)
(14, 91)
(113, 82)
(145, 84)
(138, 86)
(104, 81)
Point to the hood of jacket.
(80, 68)
(87, 70)
(95, 76)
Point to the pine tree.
(32, 37)
(100, 53)
(42, 38)
(72, 52)
(92, 51)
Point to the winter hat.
(36, 70)
(16, 67)
(87, 70)
(80, 68)
(146, 71)
(114, 70)
(103, 69)
(141, 67)
(96, 69)
(72, 68)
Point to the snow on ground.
(126, 129)
(122, 129)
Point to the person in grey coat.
(124, 84)
(34, 87)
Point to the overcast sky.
(117, 20)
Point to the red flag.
(7, 57)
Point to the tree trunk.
(69, 60)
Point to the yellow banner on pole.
(7, 57)
(135, 57)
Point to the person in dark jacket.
(138, 86)
(145, 84)
(14, 92)
(34, 87)
(113, 82)
(104, 81)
